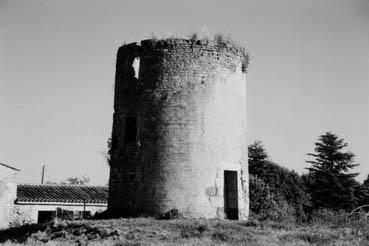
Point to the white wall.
(28, 213)
(8, 193)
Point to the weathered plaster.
(28, 212)
(8, 191)
(190, 102)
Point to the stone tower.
(179, 130)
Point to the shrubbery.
(362, 193)
(326, 191)
(286, 187)
(276, 193)
(266, 205)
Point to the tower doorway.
(231, 195)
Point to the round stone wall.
(179, 130)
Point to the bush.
(170, 215)
(260, 197)
(20, 234)
(266, 205)
(329, 217)
(339, 218)
(278, 189)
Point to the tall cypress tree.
(330, 182)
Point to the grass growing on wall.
(222, 40)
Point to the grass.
(149, 231)
(222, 40)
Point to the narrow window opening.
(136, 66)
(243, 67)
(130, 130)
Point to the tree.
(76, 181)
(257, 156)
(257, 152)
(51, 183)
(366, 181)
(285, 188)
(329, 180)
(362, 193)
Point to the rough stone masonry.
(179, 130)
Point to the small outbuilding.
(38, 203)
(42, 203)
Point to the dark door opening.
(230, 195)
(45, 216)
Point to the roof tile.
(62, 193)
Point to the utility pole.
(43, 174)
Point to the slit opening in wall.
(231, 195)
(130, 129)
(136, 66)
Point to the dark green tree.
(329, 181)
(257, 152)
(362, 193)
(284, 187)
(76, 181)
(257, 156)
(366, 181)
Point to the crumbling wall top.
(217, 45)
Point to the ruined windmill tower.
(179, 130)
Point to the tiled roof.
(62, 193)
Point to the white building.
(36, 203)
(8, 190)
(41, 203)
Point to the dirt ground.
(147, 231)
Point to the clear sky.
(309, 74)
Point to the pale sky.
(309, 74)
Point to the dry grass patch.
(148, 231)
